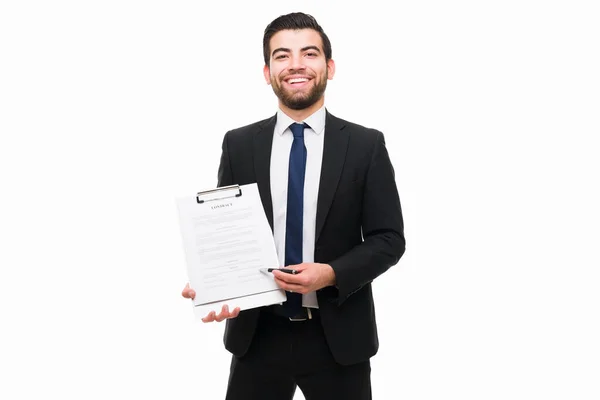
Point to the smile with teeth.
(297, 80)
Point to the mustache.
(298, 72)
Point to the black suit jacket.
(359, 227)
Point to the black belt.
(305, 314)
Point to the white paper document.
(227, 239)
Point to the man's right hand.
(212, 316)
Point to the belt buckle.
(308, 313)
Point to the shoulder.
(356, 131)
(250, 129)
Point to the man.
(329, 193)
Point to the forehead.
(296, 39)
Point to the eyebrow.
(286, 50)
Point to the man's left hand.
(310, 277)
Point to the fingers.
(292, 287)
(289, 278)
(188, 292)
(300, 267)
(307, 279)
(210, 317)
(299, 283)
(223, 315)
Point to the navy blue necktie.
(295, 212)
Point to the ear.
(267, 74)
(330, 69)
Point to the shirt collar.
(316, 121)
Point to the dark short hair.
(293, 21)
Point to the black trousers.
(285, 355)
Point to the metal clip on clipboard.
(222, 190)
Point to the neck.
(301, 115)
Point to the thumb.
(188, 292)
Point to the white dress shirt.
(280, 158)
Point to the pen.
(286, 270)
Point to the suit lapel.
(263, 142)
(334, 155)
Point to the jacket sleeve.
(382, 228)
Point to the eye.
(311, 54)
(280, 56)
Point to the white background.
(111, 109)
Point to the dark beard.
(296, 102)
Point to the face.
(298, 70)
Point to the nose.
(296, 63)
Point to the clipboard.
(212, 194)
(223, 201)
